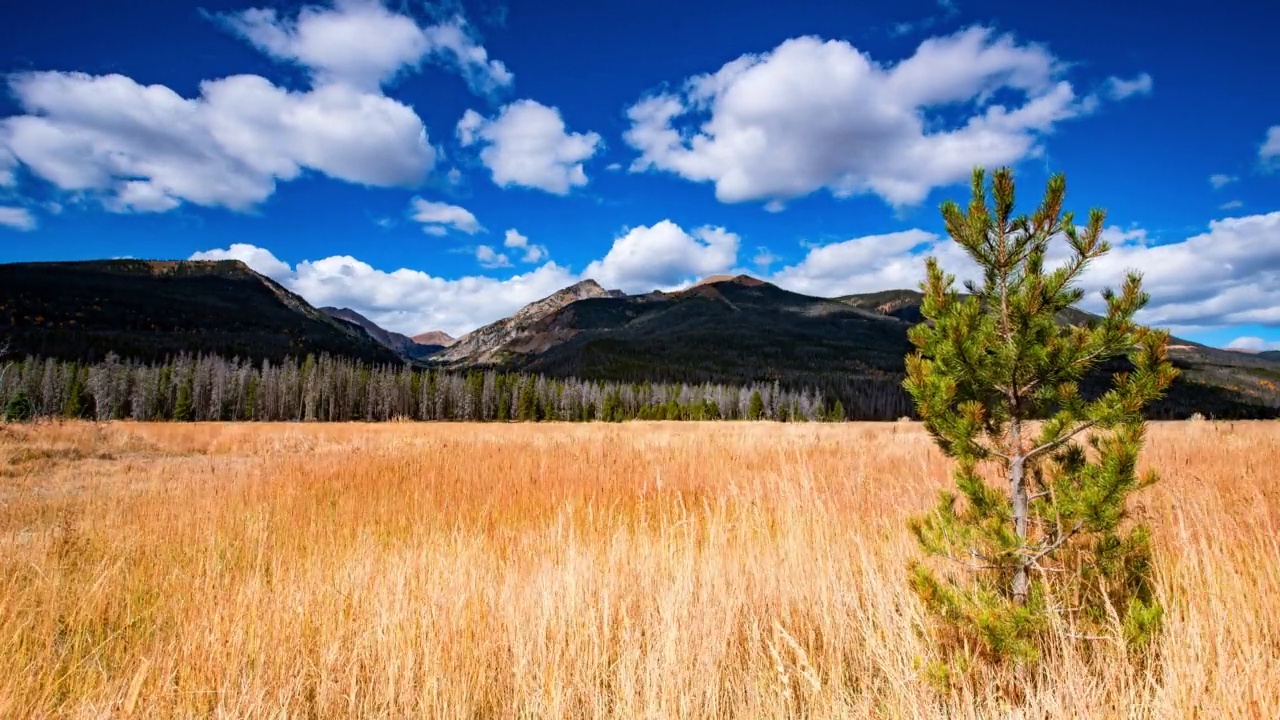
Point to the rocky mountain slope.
(744, 330)
(151, 309)
(402, 345)
(522, 332)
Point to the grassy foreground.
(637, 570)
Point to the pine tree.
(19, 408)
(755, 410)
(75, 405)
(986, 366)
(183, 410)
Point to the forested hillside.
(150, 310)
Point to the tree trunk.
(1018, 492)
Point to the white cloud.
(1231, 205)
(17, 218)
(871, 263)
(1269, 153)
(1220, 180)
(363, 44)
(482, 73)
(764, 259)
(259, 259)
(532, 253)
(529, 145)
(810, 115)
(664, 256)
(404, 300)
(8, 163)
(356, 43)
(438, 217)
(1118, 88)
(1253, 344)
(145, 148)
(1229, 275)
(490, 258)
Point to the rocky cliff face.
(484, 345)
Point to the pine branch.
(1062, 538)
(1060, 441)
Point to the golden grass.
(641, 570)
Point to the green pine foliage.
(1037, 527)
(182, 412)
(18, 408)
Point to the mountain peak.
(434, 337)
(483, 342)
(588, 285)
(744, 280)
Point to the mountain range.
(724, 329)
(409, 348)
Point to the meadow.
(655, 570)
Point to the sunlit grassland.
(638, 570)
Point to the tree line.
(327, 388)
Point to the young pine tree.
(1049, 537)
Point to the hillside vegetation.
(149, 310)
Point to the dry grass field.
(511, 571)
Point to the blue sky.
(439, 165)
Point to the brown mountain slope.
(435, 337)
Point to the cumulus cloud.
(404, 300)
(1253, 344)
(1220, 180)
(411, 301)
(1269, 153)
(437, 217)
(17, 218)
(814, 114)
(663, 256)
(871, 263)
(528, 144)
(490, 258)
(764, 259)
(146, 148)
(532, 253)
(1118, 88)
(259, 259)
(1228, 275)
(363, 44)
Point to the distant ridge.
(435, 337)
(486, 344)
(402, 345)
(150, 309)
(741, 329)
(729, 330)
